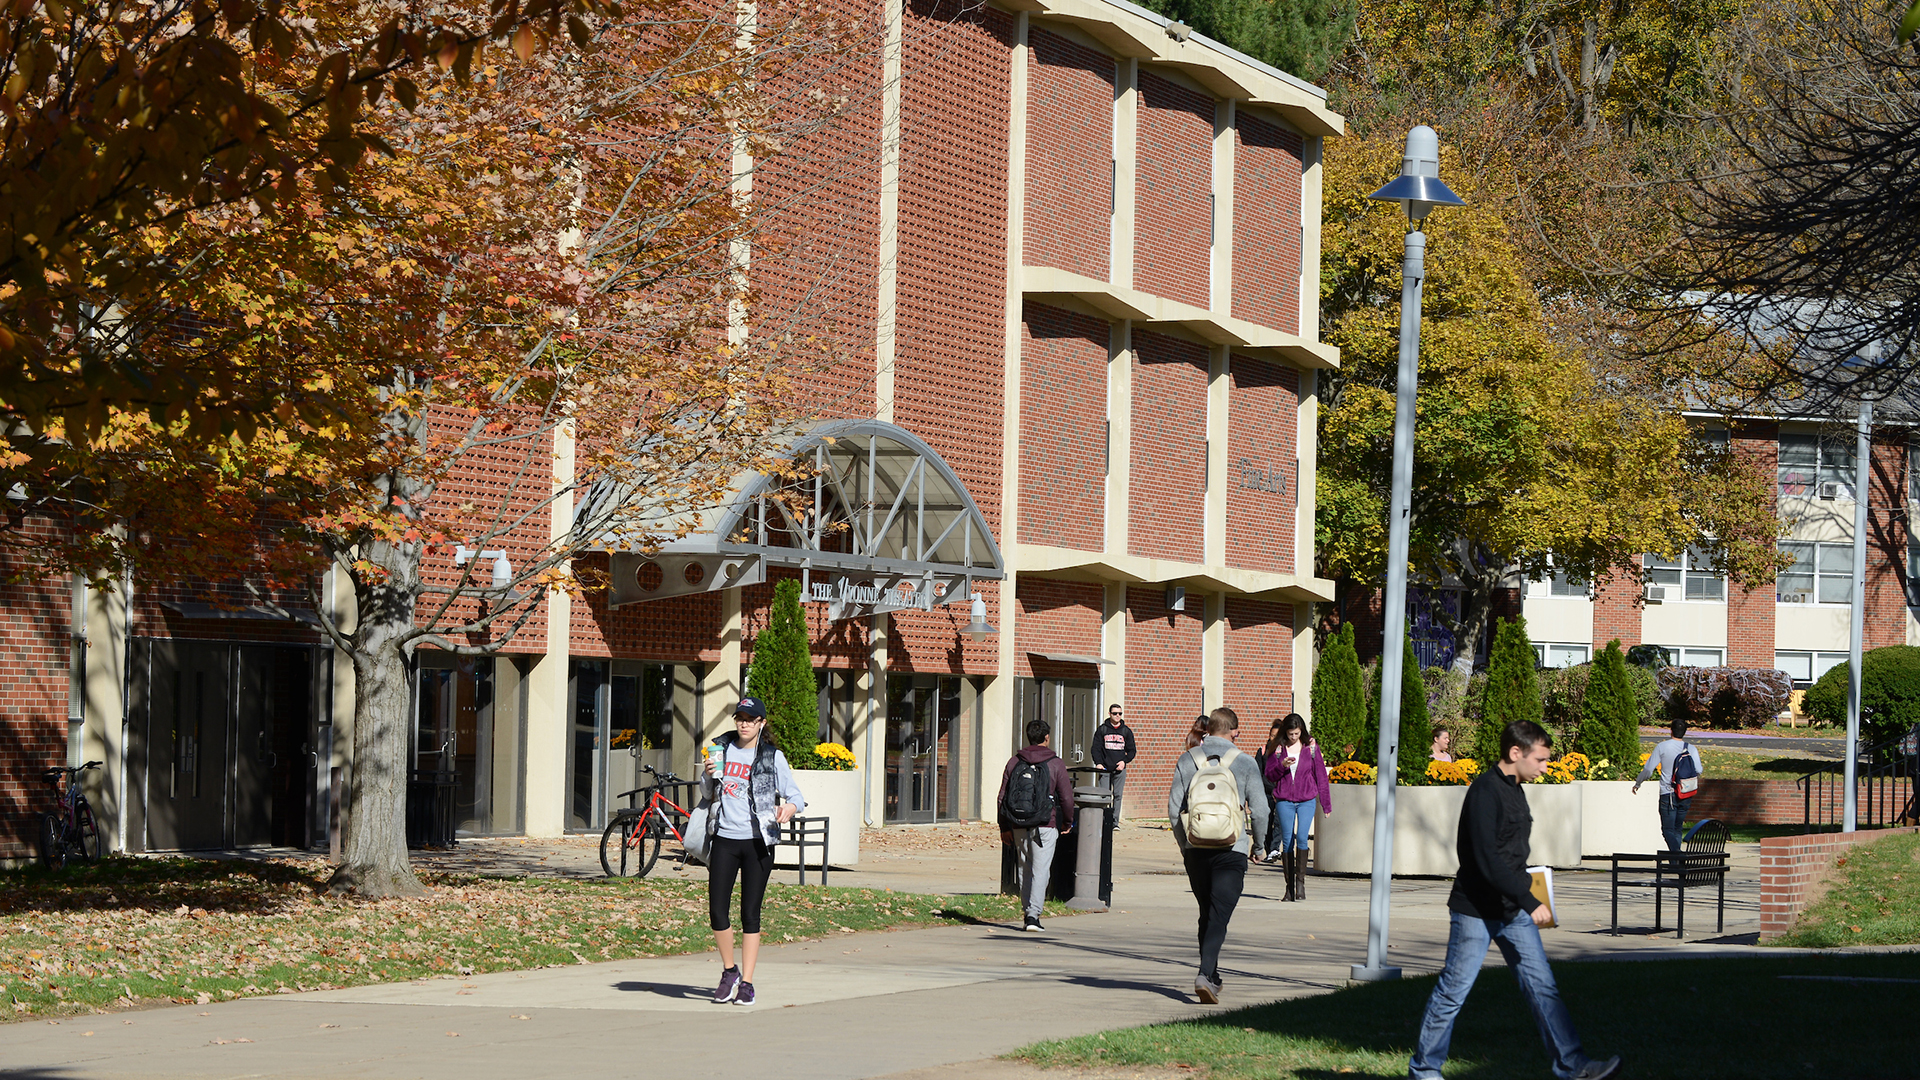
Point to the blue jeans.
(1519, 942)
(1673, 814)
(1293, 821)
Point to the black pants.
(753, 862)
(1217, 875)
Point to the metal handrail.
(1884, 772)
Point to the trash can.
(1088, 886)
(430, 808)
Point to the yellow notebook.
(1543, 891)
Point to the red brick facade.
(1266, 223)
(1616, 612)
(1169, 479)
(36, 649)
(1063, 428)
(1069, 156)
(1163, 689)
(1888, 530)
(1173, 232)
(1258, 681)
(1263, 411)
(1059, 617)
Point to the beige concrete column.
(1126, 113)
(1310, 203)
(1213, 650)
(104, 736)
(1113, 645)
(1306, 495)
(888, 278)
(721, 690)
(1119, 435)
(873, 739)
(1223, 164)
(508, 814)
(1214, 535)
(1303, 661)
(997, 700)
(546, 774)
(687, 704)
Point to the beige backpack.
(1216, 815)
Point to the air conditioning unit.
(1654, 594)
(1830, 490)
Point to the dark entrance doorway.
(221, 743)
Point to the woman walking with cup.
(1298, 776)
(753, 795)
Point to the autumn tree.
(552, 261)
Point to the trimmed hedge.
(1889, 691)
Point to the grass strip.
(1729, 764)
(1694, 1019)
(1872, 897)
(126, 932)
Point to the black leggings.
(753, 861)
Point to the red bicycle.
(70, 830)
(632, 841)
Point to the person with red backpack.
(1035, 811)
(1680, 768)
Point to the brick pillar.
(1750, 614)
(1887, 531)
(1616, 612)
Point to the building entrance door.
(1074, 734)
(622, 720)
(187, 746)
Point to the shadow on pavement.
(1097, 983)
(666, 990)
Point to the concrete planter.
(1613, 818)
(1427, 828)
(1426, 822)
(835, 796)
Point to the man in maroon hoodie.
(1036, 809)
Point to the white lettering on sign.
(1255, 478)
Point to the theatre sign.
(850, 597)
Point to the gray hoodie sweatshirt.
(1246, 776)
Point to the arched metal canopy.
(882, 524)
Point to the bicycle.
(72, 828)
(633, 838)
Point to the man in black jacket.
(1112, 749)
(1493, 901)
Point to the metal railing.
(1884, 772)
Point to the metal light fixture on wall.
(979, 628)
(1419, 190)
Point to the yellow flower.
(1352, 772)
(834, 752)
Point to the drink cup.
(717, 755)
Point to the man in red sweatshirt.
(1036, 809)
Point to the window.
(1559, 583)
(1558, 655)
(1688, 577)
(1821, 573)
(1807, 461)
(1695, 655)
(1805, 668)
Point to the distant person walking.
(1673, 802)
(756, 795)
(1297, 775)
(1492, 901)
(1113, 748)
(1035, 811)
(1217, 809)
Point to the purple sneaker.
(730, 985)
(745, 996)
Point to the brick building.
(1079, 250)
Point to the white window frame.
(1818, 663)
(1690, 570)
(1696, 655)
(1832, 463)
(1820, 572)
(1546, 651)
(1557, 585)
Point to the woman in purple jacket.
(1298, 776)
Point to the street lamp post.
(1418, 188)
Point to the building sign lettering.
(1255, 478)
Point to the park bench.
(1701, 862)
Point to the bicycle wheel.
(619, 847)
(649, 849)
(53, 850)
(88, 842)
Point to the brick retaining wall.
(1791, 865)
(1779, 802)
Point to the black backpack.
(1029, 800)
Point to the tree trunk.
(1476, 611)
(374, 857)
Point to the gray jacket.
(1246, 775)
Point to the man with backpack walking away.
(1036, 810)
(1217, 806)
(1680, 768)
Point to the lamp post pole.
(1856, 638)
(1419, 189)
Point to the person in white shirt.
(1673, 810)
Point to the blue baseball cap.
(752, 707)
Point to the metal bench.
(1701, 862)
(806, 832)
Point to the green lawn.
(1871, 899)
(1725, 764)
(1694, 1019)
(130, 931)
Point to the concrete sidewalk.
(933, 1004)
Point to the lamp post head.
(979, 629)
(1418, 187)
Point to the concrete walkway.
(927, 1004)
